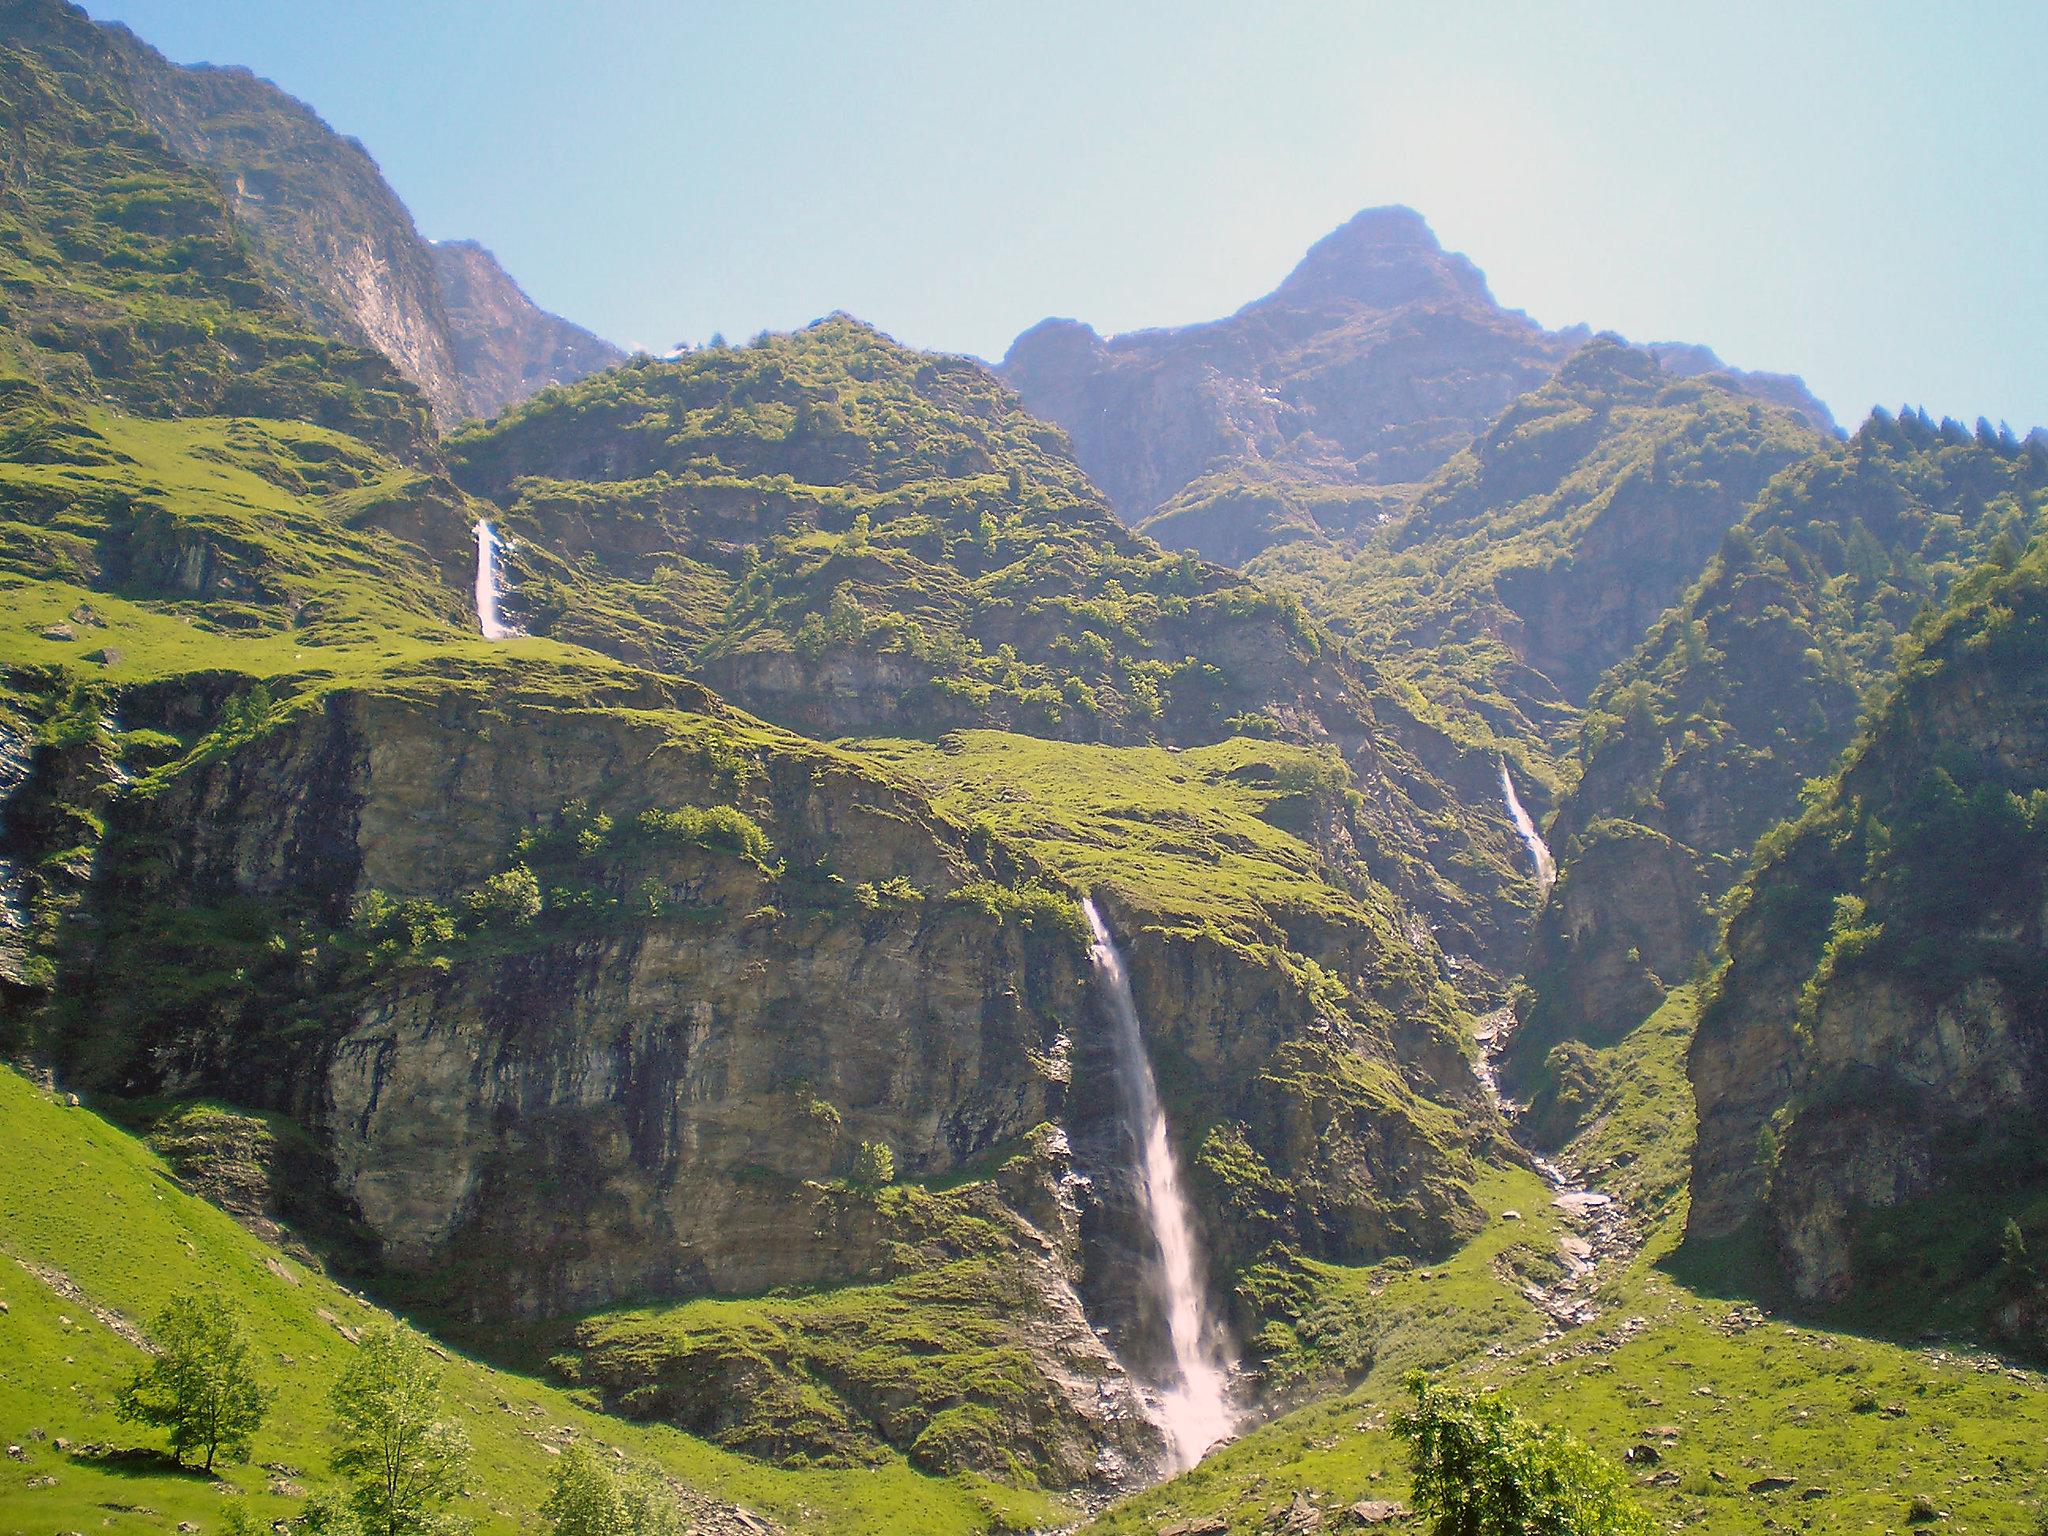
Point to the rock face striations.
(1379, 357)
(326, 228)
(1878, 1045)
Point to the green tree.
(589, 1500)
(585, 1499)
(651, 1508)
(200, 1385)
(329, 1513)
(874, 1164)
(402, 1460)
(1482, 1469)
(510, 896)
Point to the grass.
(1869, 1422)
(82, 1199)
(1192, 836)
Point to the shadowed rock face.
(1882, 1014)
(1377, 359)
(330, 233)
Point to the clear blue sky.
(1852, 191)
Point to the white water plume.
(488, 583)
(1193, 1406)
(1546, 866)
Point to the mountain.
(1870, 1068)
(1537, 556)
(1749, 687)
(505, 346)
(723, 999)
(130, 282)
(589, 992)
(1379, 357)
(852, 538)
(327, 229)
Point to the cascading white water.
(1194, 1405)
(1546, 866)
(487, 546)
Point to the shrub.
(874, 1165)
(512, 896)
(1482, 1469)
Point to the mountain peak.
(1384, 258)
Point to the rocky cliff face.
(1878, 1037)
(1378, 358)
(505, 346)
(1752, 683)
(330, 233)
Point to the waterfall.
(1546, 866)
(487, 583)
(1194, 1403)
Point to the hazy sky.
(1850, 191)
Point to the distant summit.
(1383, 258)
(1377, 358)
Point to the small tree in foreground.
(1482, 1469)
(200, 1385)
(585, 1499)
(402, 1461)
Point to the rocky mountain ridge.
(328, 230)
(1374, 361)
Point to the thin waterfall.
(1193, 1404)
(1546, 866)
(488, 584)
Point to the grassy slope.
(1751, 1397)
(81, 1197)
(1185, 833)
(1611, 466)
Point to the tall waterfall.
(1194, 1404)
(1546, 866)
(487, 583)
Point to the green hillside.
(97, 1236)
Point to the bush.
(1482, 1469)
(874, 1165)
(510, 897)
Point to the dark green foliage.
(1758, 679)
(873, 1165)
(1538, 555)
(834, 497)
(1482, 1469)
(201, 1385)
(1908, 892)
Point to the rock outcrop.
(329, 232)
(1879, 1038)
